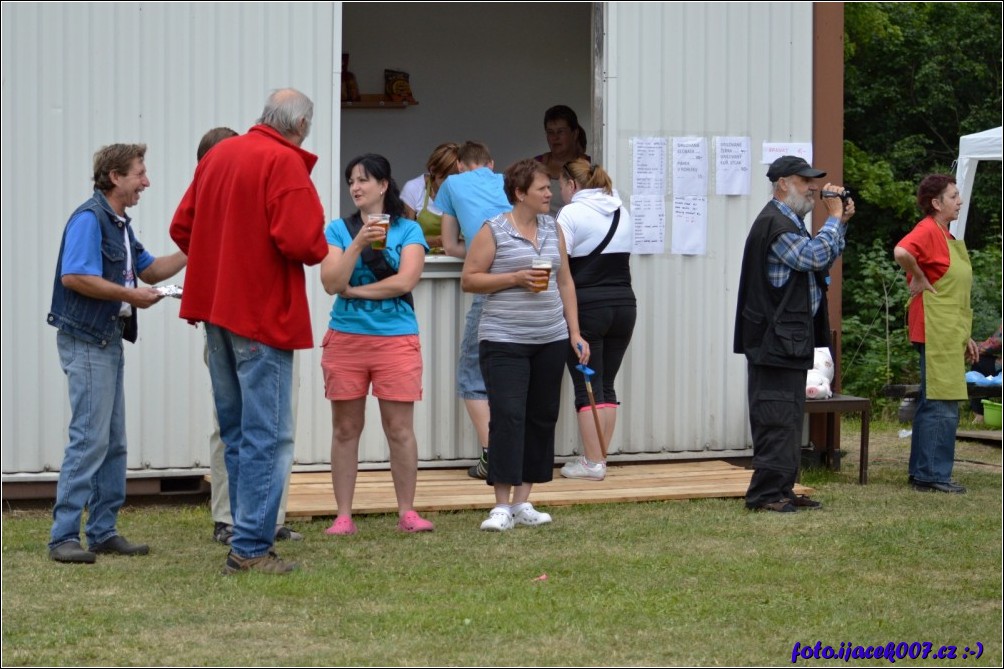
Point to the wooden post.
(828, 155)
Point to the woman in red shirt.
(940, 277)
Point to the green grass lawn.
(669, 583)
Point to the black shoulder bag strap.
(610, 235)
(374, 259)
(576, 265)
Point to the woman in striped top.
(529, 319)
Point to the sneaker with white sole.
(499, 520)
(480, 470)
(223, 533)
(581, 469)
(525, 514)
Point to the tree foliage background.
(917, 77)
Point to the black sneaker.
(223, 533)
(118, 545)
(71, 551)
(804, 502)
(283, 533)
(950, 487)
(780, 506)
(480, 470)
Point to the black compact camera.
(829, 193)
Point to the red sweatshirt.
(249, 222)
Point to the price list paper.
(690, 225)
(648, 216)
(690, 166)
(732, 161)
(648, 199)
(690, 196)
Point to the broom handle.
(596, 415)
(596, 419)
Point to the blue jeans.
(252, 390)
(470, 383)
(932, 444)
(93, 472)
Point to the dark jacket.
(775, 326)
(88, 318)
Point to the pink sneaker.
(412, 522)
(343, 526)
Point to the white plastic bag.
(823, 363)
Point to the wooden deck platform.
(310, 494)
(992, 437)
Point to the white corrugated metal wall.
(168, 72)
(698, 69)
(78, 76)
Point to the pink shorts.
(351, 362)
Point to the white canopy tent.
(973, 148)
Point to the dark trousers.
(524, 388)
(776, 406)
(608, 331)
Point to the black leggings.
(608, 331)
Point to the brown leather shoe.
(269, 563)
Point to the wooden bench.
(832, 408)
(912, 391)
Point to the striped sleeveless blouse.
(516, 315)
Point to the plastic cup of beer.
(383, 222)
(544, 264)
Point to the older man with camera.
(781, 317)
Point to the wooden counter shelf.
(377, 101)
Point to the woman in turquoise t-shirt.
(373, 337)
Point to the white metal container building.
(77, 76)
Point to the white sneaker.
(578, 469)
(525, 514)
(499, 520)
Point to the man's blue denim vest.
(93, 320)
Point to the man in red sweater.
(249, 222)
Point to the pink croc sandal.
(412, 522)
(343, 526)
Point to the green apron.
(948, 320)
(432, 224)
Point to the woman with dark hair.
(567, 141)
(940, 278)
(597, 231)
(419, 194)
(373, 337)
(528, 322)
